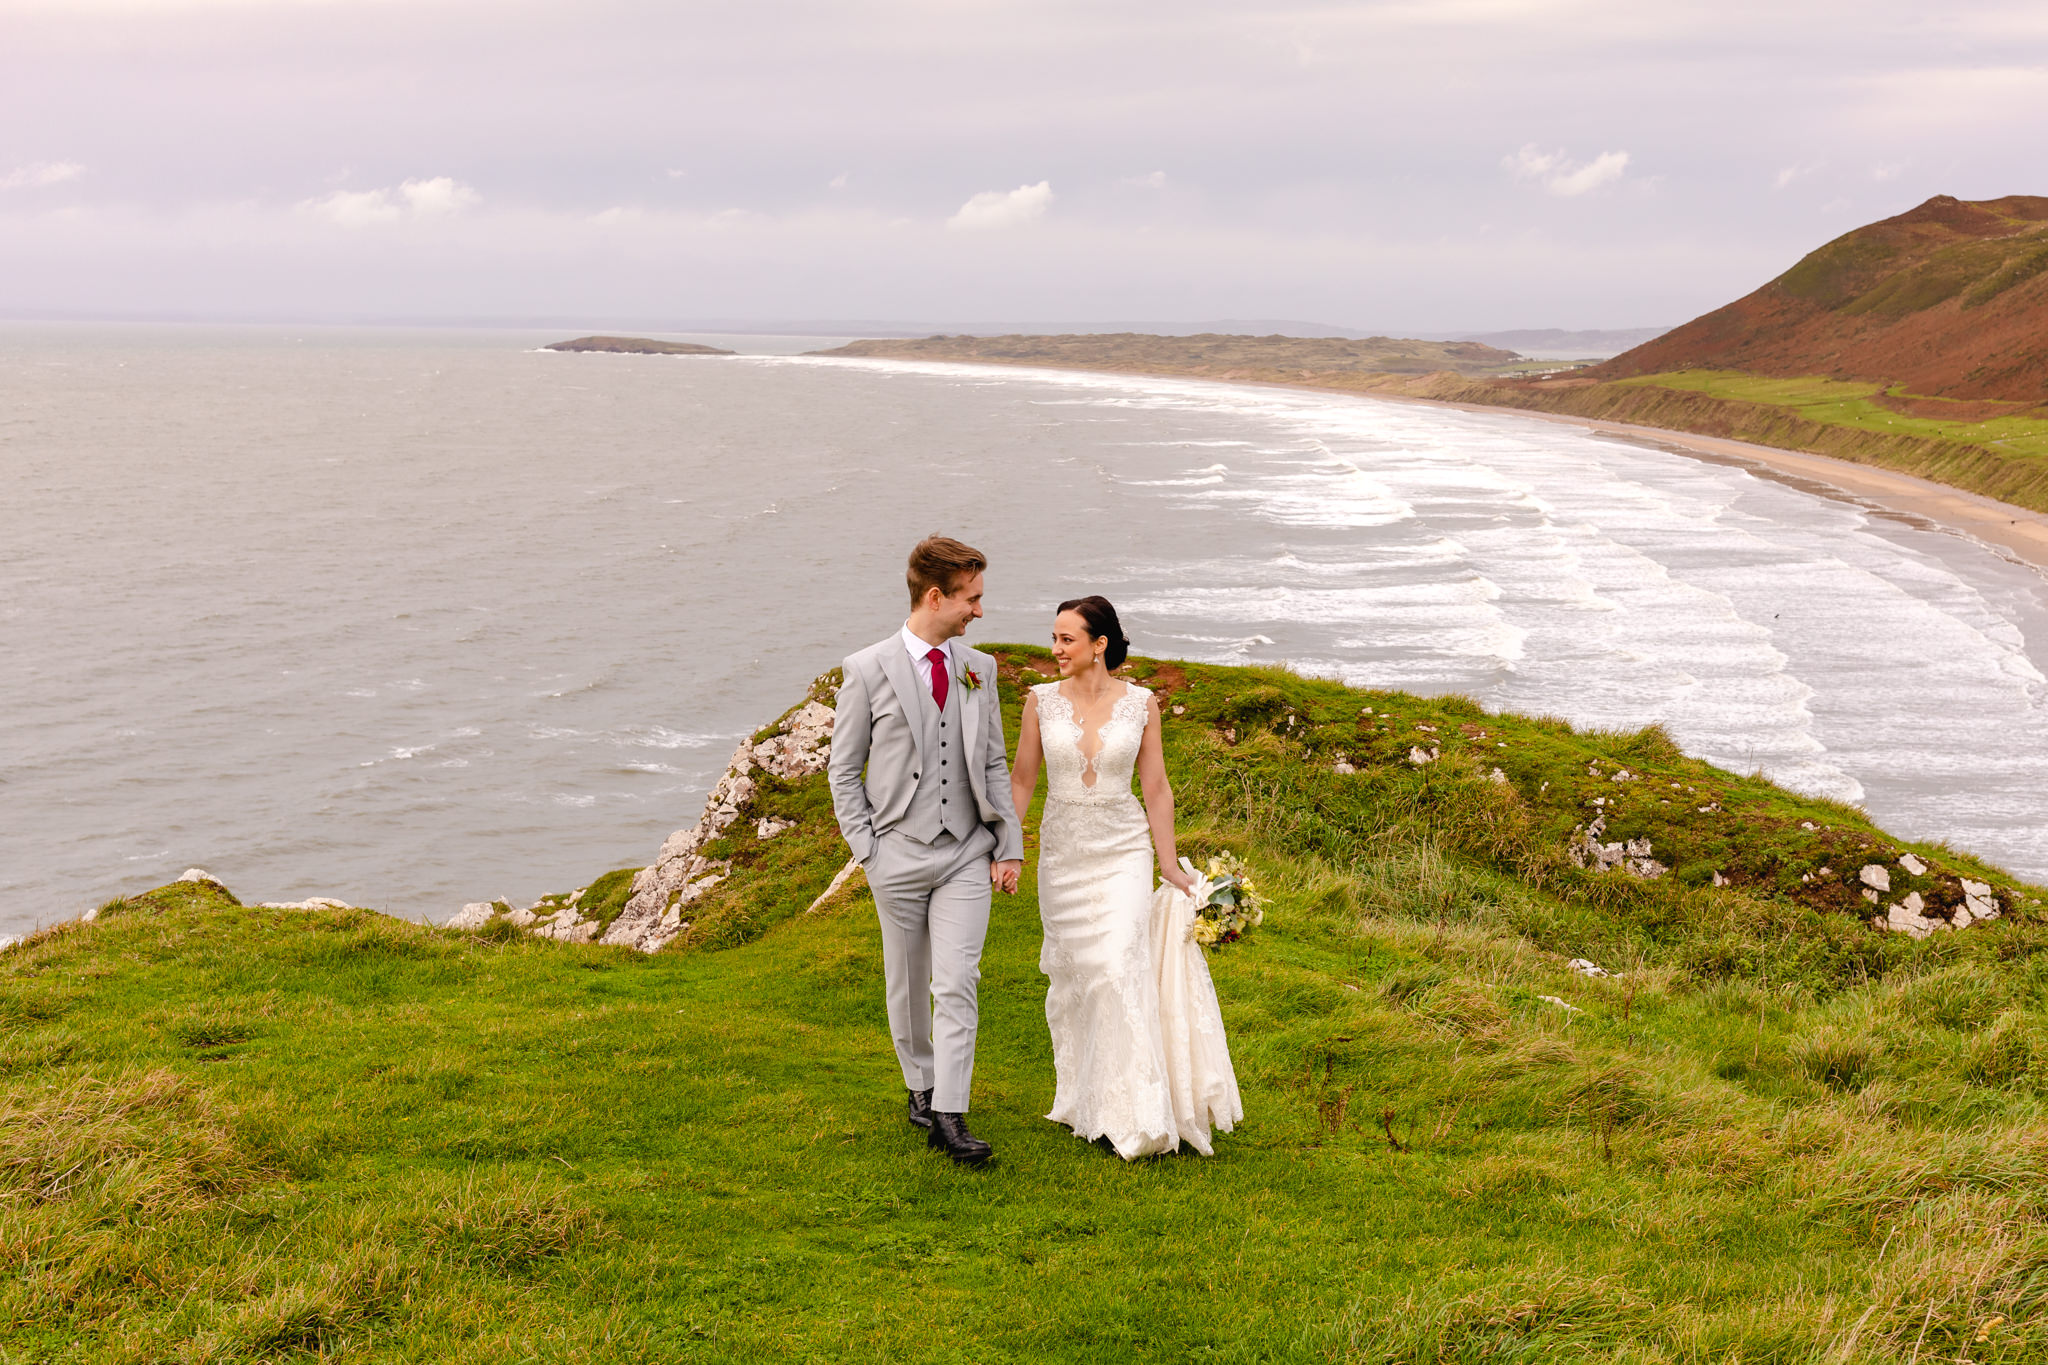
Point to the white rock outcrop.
(1632, 856)
(1585, 968)
(475, 915)
(1911, 915)
(1875, 877)
(654, 914)
(1914, 867)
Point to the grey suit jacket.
(877, 729)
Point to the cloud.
(1887, 170)
(1000, 209)
(1788, 174)
(1155, 181)
(1561, 175)
(838, 182)
(439, 197)
(38, 175)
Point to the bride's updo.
(1100, 617)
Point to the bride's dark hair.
(1100, 617)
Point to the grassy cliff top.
(1775, 1132)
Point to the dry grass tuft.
(499, 1224)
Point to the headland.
(634, 346)
(1553, 1044)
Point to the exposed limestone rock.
(310, 903)
(1914, 867)
(475, 915)
(568, 926)
(1342, 767)
(653, 916)
(1566, 1006)
(1909, 917)
(767, 827)
(1632, 856)
(1978, 902)
(1419, 755)
(521, 918)
(1586, 968)
(8, 941)
(1875, 877)
(200, 874)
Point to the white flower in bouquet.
(1227, 902)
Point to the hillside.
(1946, 301)
(1210, 356)
(1747, 1124)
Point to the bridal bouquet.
(1227, 902)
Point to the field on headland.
(1209, 356)
(1774, 1132)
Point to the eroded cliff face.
(684, 870)
(790, 755)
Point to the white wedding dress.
(1137, 1038)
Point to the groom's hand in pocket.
(1005, 875)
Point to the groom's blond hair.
(941, 562)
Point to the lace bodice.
(1068, 767)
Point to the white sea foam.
(1527, 564)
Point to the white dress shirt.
(919, 657)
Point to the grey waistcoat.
(943, 801)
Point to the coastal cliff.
(1553, 1045)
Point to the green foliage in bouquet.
(1227, 900)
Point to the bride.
(1137, 1039)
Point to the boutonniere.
(970, 680)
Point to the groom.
(932, 824)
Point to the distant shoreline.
(2019, 532)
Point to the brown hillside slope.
(1949, 300)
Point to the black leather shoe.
(950, 1135)
(921, 1108)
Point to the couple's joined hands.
(1004, 875)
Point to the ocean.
(412, 618)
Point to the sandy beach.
(2021, 533)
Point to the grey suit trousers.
(933, 902)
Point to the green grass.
(235, 1134)
(1851, 403)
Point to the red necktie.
(940, 682)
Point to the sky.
(1410, 166)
